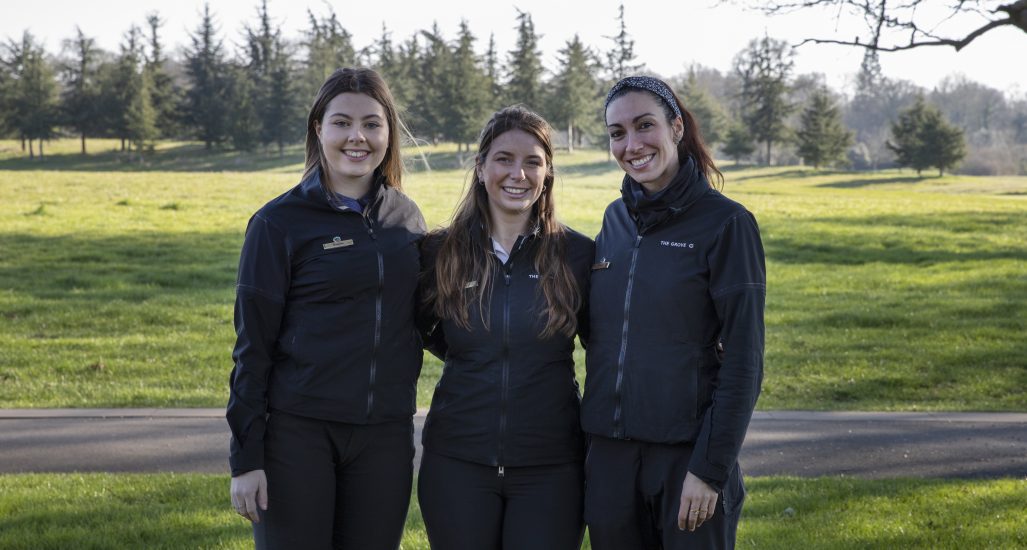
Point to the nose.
(355, 135)
(634, 143)
(517, 172)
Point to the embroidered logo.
(676, 244)
(533, 275)
(337, 242)
(470, 284)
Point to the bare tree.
(895, 25)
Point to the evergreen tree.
(921, 139)
(81, 95)
(408, 60)
(433, 75)
(707, 111)
(620, 59)
(764, 68)
(273, 99)
(575, 92)
(121, 84)
(492, 72)
(822, 138)
(165, 94)
(524, 84)
(242, 127)
(738, 143)
(466, 100)
(205, 102)
(142, 116)
(329, 47)
(31, 91)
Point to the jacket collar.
(314, 191)
(687, 186)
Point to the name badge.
(337, 242)
(601, 265)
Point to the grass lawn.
(885, 292)
(93, 511)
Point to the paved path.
(869, 445)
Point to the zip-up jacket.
(675, 274)
(324, 314)
(507, 396)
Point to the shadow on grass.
(127, 267)
(870, 180)
(596, 168)
(852, 246)
(189, 157)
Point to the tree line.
(254, 95)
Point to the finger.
(262, 494)
(693, 517)
(683, 513)
(250, 508)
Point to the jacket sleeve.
(428, 324)
(738, 284)
(584, 327)
(263, 283)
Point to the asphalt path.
(807, 444)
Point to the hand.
(249, 490)
(698, 502)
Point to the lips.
(356, 155)
(515, 191)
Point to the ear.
(317, 129)
(679, 129)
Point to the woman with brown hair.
(679, 269)
(327, 354)
(505, 287)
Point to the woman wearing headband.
(679, 269)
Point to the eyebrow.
(348, 116)
(514, 155)
(636, 119)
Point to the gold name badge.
(337, 242)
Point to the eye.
(373, 125)
(534, 163)
(646, 124)
(341, 123)
(616, 134)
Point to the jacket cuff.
(247, 459)
(713, 475)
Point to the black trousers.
(470, 506)
(335, 485)
(633, 492)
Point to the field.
(886, 292)
(93, 511)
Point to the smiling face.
(354, 135)
(513, 172)
(642, 140)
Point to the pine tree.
(433, 75)
(165, 94)
(205, 102)
(329, 47)
(242, 126)
(822, 137)
(764, 68)
(141, 117)
(921, 139)
(492, 72)
(273, 97)
(575, 91)
(738, 143)
(466, 100)
(620, 59)
(121, 85)
(524, 84)
(81, 95)
(707, 112)
(32, 88)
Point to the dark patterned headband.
(648, 84)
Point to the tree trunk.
(570, 136)
(22, 144)
(40, 149)
(32, 152)
(768, 152)
(122, 145)
(83, 143)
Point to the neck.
(506, 227)
(353, 188)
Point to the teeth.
(515, 190)
(639, 162)
(356, 154)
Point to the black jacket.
(673, 275)
(507, 397)
(324, 314)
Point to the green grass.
(886, 292)
(85, 511)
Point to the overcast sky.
(668, 38)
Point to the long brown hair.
(692, 143)
(358, 80)
(465, 255)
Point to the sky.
(669, 36)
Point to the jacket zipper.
(505, 376)
(377, 317)
(618, 428)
